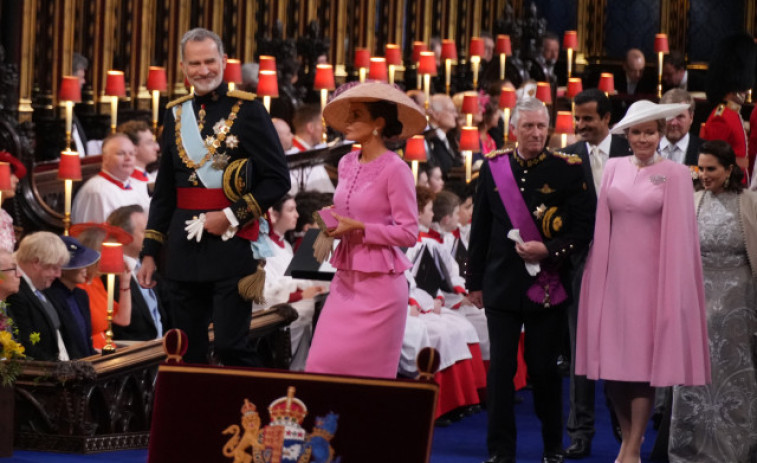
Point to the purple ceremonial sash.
(547, 289)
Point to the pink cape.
(642, 316)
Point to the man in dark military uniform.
(222, 168)
(549, 190)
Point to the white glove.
(531, 268)
(195, 228)
(229, 233)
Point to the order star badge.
(220, 161)
(232, 141)
(220, 127)
(540, 210)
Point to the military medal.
(539, 212)
(232, 141)
(220, 127)
(220, 161)
(221, 130)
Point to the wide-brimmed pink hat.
(645, 111)
(336, 113)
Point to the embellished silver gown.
(718, 423)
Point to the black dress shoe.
(552, 458)
(578, 448)
(500, 459)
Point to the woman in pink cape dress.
(360, 329)
(641, 319)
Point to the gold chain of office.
(211, 147)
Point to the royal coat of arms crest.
(283, 440)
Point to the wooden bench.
(105, 402)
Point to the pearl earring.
(375, 132)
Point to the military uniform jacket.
(254, 139)
(554, 186)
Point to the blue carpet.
(465, 441)
(461, 442)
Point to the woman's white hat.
(409, 114)
(645, 111)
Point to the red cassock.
(725, 124)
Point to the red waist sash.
(199, 199)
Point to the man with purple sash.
(540, 199)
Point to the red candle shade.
(115, 84)
(544, 92)
(470, 104)
(415, 148)
(661, 43)
(570, 40)
(362, 58)
(70, 89)
(449, 49)
(503, 45)
(507, 98)
(377, 69)
(469, 140)
(267, 84)
(476, 46)
(156, 79)
(267, 63)
(233, 71)
(575, 86)
(418, 47)
(324, 77)
(69, 167)
(111, 258)
(5, 176)
(392, 54)
(607, 82)
(427, 64)
(564, 122)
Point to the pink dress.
(642, 310)
(362, 323)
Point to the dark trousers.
(194, 305)
(543, 330)
(581, 417)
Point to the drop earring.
(375, 132)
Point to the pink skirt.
(361, 326)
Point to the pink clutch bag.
(324, 219)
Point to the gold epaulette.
(719, 110)
(242, 95)
(499, 152)
(569, 158)
(179, 100)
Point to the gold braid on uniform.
(216, 143)
(251, 212)
(155, 235)
(233, 182)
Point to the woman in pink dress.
(362, 323)
(641, 320)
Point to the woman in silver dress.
(718, 422)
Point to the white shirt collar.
(683, 145)
(26, 278)
(604, 146)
